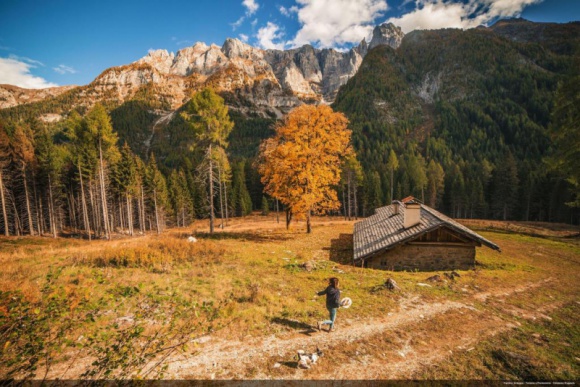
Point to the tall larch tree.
(301, 164)
(4, 162)
(98, 124)
(208, 117)
(23, 147)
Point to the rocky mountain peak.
(386, 33)
(233, 48)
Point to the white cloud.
(64, 69)
(32, 62)
(267, 35)
(435, 14)
(251, 6)
(332, 23)
(244, 38)
(254, 23)
(288, 11)
(17, 72)
(238, 22)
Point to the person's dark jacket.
(332, 297)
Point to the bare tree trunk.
(129, 215)
(349, 198)
(17, 223)
(4, 213)
(28, 212)
(103, 193)
(288, 218)
(277, 216)
(308, 224)
(344, 203)
(226, 200)
(355, 202)
(84, 204)
(221, 202)
(141, 204)
(392, 185)
(95, 218)
(211, 210)
(38, 216)
(51, 209)
(156, 211)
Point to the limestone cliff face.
(252, 78)
(13, 95)
(387, 34)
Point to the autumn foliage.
(301, 164)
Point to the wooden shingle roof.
(384, 230)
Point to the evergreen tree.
(265, 206)
(208, 117)
(392, 166)
(505, 187)
(241, 201)
(565, 132)
(435, 183)
(158, 193)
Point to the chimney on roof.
(396, 205)
(412, 216)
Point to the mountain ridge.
(275, 80)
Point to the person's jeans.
(332, 312)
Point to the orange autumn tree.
(301, 164)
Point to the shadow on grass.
(247, 236)
(290, 364)
(341, 249)
(306, 329)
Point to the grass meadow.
(122, 309)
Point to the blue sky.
(47, 43)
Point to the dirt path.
(225, 359)
(221, 359)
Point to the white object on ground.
(192, 239)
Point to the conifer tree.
(23, 148)
(157, 188)
(505, 187)
(98, 124)
(207, 115)
(126, 182)
(392, 166)
(352, 178)
(435, 183)
(4, 162)
(241, 200)
(565, 133)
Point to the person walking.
(332, 303)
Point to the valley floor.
(239, 304)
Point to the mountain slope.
(468, 101)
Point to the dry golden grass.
(250, 277)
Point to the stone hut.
(408, 235)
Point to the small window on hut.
(383, 263)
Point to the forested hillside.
(472, 122)
(468, 115)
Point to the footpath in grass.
(124, 308)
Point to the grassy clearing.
(67, 302)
